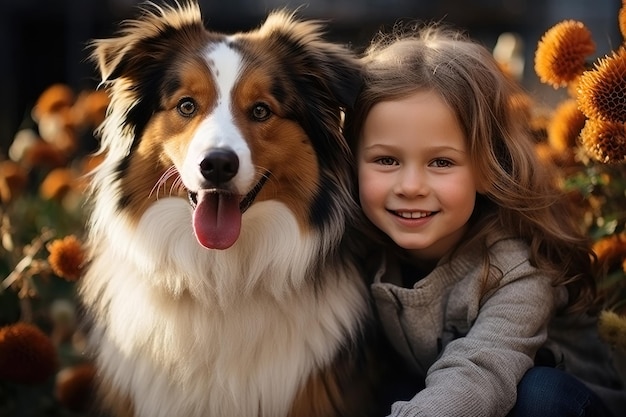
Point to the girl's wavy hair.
(521, 195)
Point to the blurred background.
(43, 61)
(43, 41)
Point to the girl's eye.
(260, 112)
(385, 160)
(441, 163)
(186, 107)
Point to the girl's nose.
(411, 182)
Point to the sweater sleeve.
(477, 374)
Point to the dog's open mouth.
(217, 214)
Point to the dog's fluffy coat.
(217, 285)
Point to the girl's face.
(416, 183)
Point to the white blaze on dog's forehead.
(219, 129)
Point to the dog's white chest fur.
(194, 333)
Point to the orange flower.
(44, 154)
(74, 386)
(602, 91)
(66, 257)
(561, 53)
(544, 151)
(611, 249)
(27, 355)
(57, 184)
(539, 126)
(90, 108)
(13, 179)
(54, 99)
(604, 141)
(565, 126)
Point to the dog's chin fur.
(274, 322)
(200, 332)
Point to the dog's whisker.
(266, 173)
(177, 186)
(169, 173)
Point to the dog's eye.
(186, 106)
(261, 112)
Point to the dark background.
(43, 41)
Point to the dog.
(218, 281)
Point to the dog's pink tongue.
(217, 220)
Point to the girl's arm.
(477, 374)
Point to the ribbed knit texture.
(473, 351)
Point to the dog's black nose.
(219, 166)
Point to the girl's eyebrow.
(448, 148)
(379, 146)
(436, 148)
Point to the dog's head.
(226, 121)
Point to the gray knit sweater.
(472, 349)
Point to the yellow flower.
(565, 126)
(602, 91)
(561, 53)
(612, 329)
(604, 141)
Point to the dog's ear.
(332, 67)
(116, 55)
(347, 80)
(107, 55)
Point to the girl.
(485, 285)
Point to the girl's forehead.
(418, 122)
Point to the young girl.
(485, 283)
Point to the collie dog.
(218, 283)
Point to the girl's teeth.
(412, 215)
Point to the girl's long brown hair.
(521, 194)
